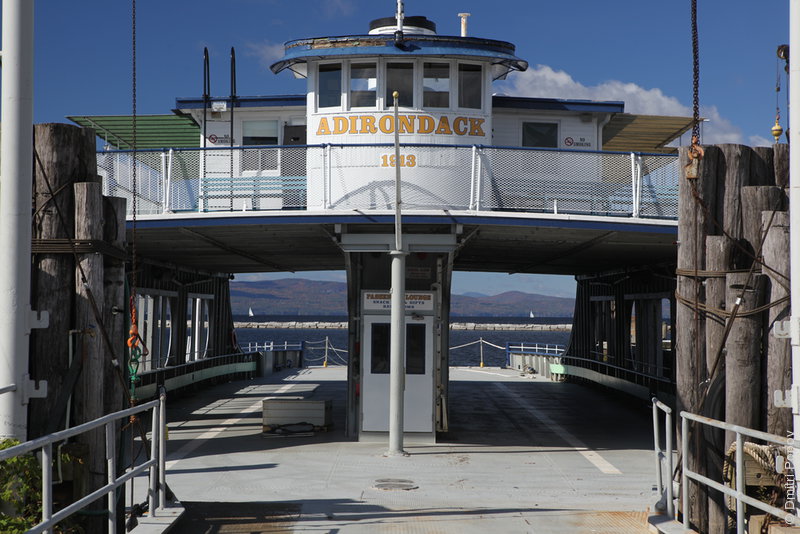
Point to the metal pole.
(155, 424)
(794, 214)
(162, 449)
(739, 484)
(670, 499)
(397, 333)
(16, 173)
(47, 484)
(657, 449)
(111, 476)
(684, 468)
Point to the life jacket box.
(280, 411)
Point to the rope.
(764, 456)
(724, 313)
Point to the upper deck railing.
(361, 177)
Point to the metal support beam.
(16, 172)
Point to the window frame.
(344, 77)
(555, 123)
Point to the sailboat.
(250, 312)
(531, 314)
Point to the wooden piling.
(696, 206)
(780, 158)
(63, 154)
(743, 352)
(718, 250)
(89, 282)
(778, 353)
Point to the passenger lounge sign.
(382, 301)
(409, 124)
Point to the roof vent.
(411, 25)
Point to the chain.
(695, 77)
(134, 338)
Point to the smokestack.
(463, 23)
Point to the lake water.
(470, 355)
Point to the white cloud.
(339, 7)
(757, 140)
(543, 81)
(266, 52)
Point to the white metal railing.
(663, 457)
(270, 346)
(738, 494)
(547, 349)
(155, 465)
(347, 177)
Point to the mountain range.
(298, 296)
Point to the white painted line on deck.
(598, 461)
(484, 372)
(184, 451)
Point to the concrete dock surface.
(522, 455)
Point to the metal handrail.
(155, 465)
(619, 368)
(663, 455)
(740, 497)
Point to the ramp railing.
(663, 457)
(348, 177)
(738, 492)
(155, 465)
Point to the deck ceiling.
(152, 131)
(643, 133)
(268, 244)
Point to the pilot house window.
(363, 85)
(400, 78)
(436, 85)
(330, 85)
(470, 86)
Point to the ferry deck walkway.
(523, 455)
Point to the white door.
(418, 398)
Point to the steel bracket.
(788, 399)
(38, 319)
(782, 329)
(32, 389)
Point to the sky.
(637, 51)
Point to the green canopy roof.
(152, 131)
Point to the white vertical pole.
(16, 172)
(794, 213)
(397, 336)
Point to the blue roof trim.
(302, 50)
(244, 101)
(520, 102)
(407, 219)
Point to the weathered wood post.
(743, 353)
(63, 155)
(696, 205)
(89, 281)
(718, 251)
(779, 351)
